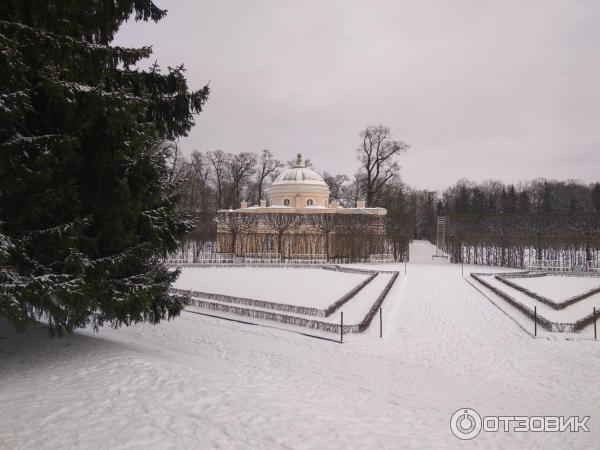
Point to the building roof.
(299, 174)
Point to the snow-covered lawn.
(303, 287)
(354, 310)
(201, 382)
(558, 288)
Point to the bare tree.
(376, 155)
(501, 229)
(325, 224)
(200, 172)
(219, 160)
(280, 223)
(335, 183)
(240, 168)
(268, 167)
(352, 192)
(587, 228)
(235, 223)
(354, 230)
(538, 225)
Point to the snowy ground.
(306, 287)
(199, 382)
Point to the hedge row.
(369, 317)
(545, 323)
(546, 300)
(277, 317)
(333, 307)
(298, 321)
(348, 269)
(587, 320)
(306, 310)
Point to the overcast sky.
(504, 89)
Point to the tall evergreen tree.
(87, 206)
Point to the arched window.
(310, 202)
(286, 202)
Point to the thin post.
(405, 268)
(463, 269)
(595, 329)
(380, 323)
(535, 321)
(342, 327)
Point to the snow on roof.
(299, 174)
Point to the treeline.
(517, 226)
(537, 196)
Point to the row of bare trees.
(347, 237)
(519, 239)
(215, 180)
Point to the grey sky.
(506, 89)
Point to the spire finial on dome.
(299, 160)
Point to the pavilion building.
(298, 220)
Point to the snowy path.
(199, 382)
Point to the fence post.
(404, 267)
(595, 330)
(535, 321)
(380, 323)
(342, 327)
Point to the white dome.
(299, 174)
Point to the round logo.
(465, 423)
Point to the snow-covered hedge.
(277, 317)
(542, 321)
(294, 320)
(546, 300)
(334, 307)
(348, 269)
(587, 320)
(364, 324)
(305, 310)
